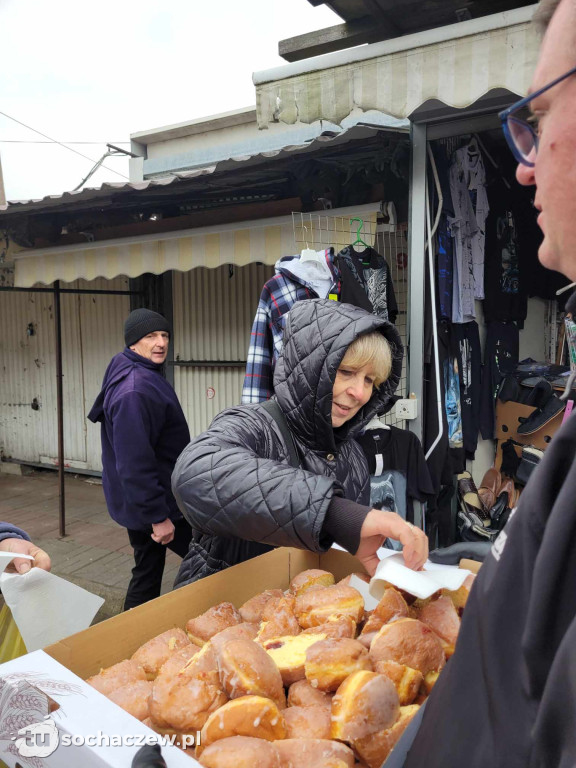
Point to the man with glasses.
(508, 695)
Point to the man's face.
(153, 346)
(554, 172)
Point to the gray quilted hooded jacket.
(234, 483)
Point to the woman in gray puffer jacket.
(235, 484)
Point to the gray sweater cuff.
(343, 522)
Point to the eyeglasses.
(520, 134)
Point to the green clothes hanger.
(359, 240)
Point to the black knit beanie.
(140, 322)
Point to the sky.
(96, 72)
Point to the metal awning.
(265, 240)
(455, 64)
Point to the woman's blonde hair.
(370, 349)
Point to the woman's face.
(352, 389)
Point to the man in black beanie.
(143, 433)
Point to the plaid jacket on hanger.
(278, 296)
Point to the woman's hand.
(23, 547)
(381, 524)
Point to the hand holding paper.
(381, 524)
(33, 556)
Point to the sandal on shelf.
(470, 502)
(488, 490)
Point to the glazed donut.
(116, 676)
(282, 622)
(442, 618)
(152, 655)
(302, 694)
(329, 662)
(214, 620)
(364, 704)
(409, 642)
(307, 722)
(335, 626)
(183, 698)
(317, 605)
(251, 611)
(407, 681)
(289, 654)
(253, 716)
(133, 698)
(319, 753)
(311, 578)
(391, 606)
(460, 596)
(245, 668)
(374, 749)
(240, 752)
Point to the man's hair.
(546, 9)
(370, 349)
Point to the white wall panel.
(91, 334)
(213, 314)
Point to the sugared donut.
(307, 722)
(116, 676)
(317, 605)
(364, 704)
(302, 694)
(310, 578)
(240, 752)
(152, 655)
(245, 668)
(133, 698)
(329, 662)
(251, 611)
(201, 628)
(409, 642)
(253, 716)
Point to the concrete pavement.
(95, 553)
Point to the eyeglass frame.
(506, 113)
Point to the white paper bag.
(45, 607)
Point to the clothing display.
(294, 281)
(469, 357)
(468, 191)
(505, 263)
(398, 470)
(367, 282)
(500, 358)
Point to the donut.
(201, 628)
(364, 704)
(409, 642)
(152, 655)
(317, 605)
(311, 578)
(329, 662)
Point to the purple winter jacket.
(144, 430)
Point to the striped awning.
(455, 65)
(265, 241)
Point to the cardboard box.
(79, 656)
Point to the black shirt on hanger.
(367, 282)
(401, 474)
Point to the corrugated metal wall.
(91, 334)
(213, 314)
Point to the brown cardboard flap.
(470, 565)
